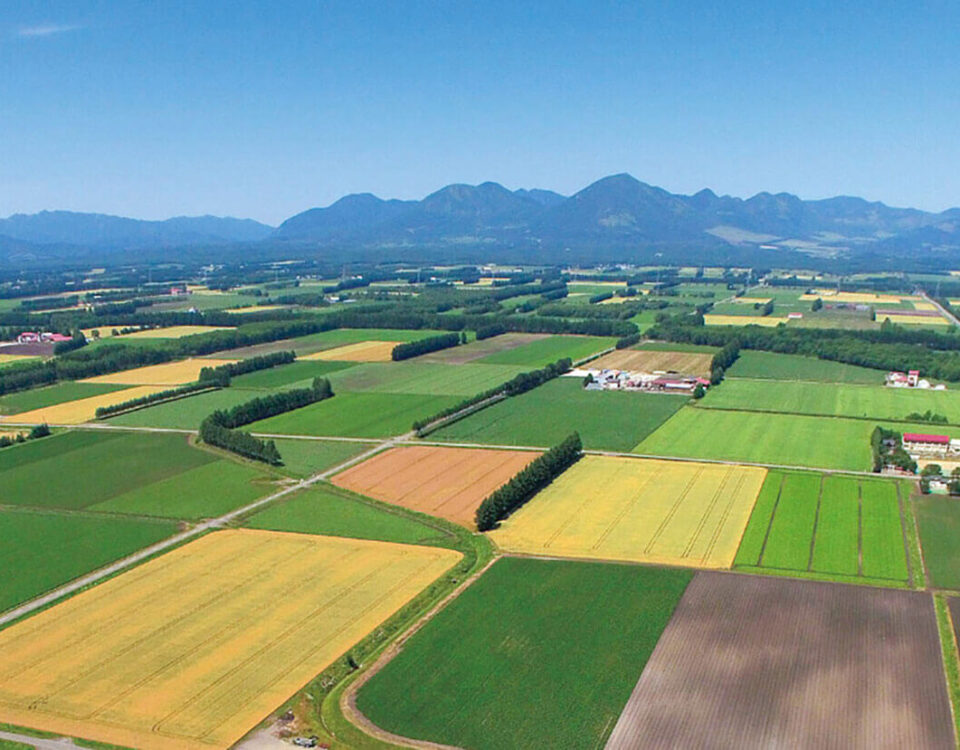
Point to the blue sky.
(264, 109)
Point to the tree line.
(409, 349)
(727, 355)
(222, 374)
(528, 481)
(154, 398)
(37, 431)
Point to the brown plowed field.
(459, 355)
(749, 661)
(445, 482)
(648, 360)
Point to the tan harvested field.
(641, 510)
(615, 300)
(752, 300)
(915, 319)
(757, 662)
(174, 332)
(445, 482)
(194, 648)
(648, 360)
(253, 309)
(862, 298)
(362, 351)
(168, 374)
(459, 355)
(82, 410)
(769, 321)
(925, 306)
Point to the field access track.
(445, 482)
(195, 647)
(751, 661)
(642, 510)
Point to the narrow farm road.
(941, 309)
(60, 743)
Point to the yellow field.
(649, 360)
(864, 298)
(363, 351)
(252, 309)
(643, 510)
(908, 319)
(4, 358)
(174, 332)
(742, 320)
(615, 300)
(79, 411)
(194, 648)
(752, 300)
(12, 434)
(169, 373)
(612, 284)
(924, 306)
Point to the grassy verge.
(951, 660)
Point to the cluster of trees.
(927, 416)
(513, 387)
(410, 349)
(489, 331)
(816, 305)
(887, 448)
(154, 398)
(722, 360)
(221, 375)
(219, 428)
(625, 342)
(78, 341)
(528, 481)
(37, 431)
(765, 309)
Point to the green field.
(39, 398)
(304, 458)
(544, 351)
(830, 399)
(287, 375)
(769, 365)
(939, 520)
(477, 675)
(366, 415)
(827, 526)
(140, 473)
(425, 378)
(329, 510)
(186, 413)
(606, 420)
(818, 442)
(42, 550)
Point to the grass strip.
(951, 659)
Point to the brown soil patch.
(459, 355)
(649, 360)
(750, 661)
(446, 482)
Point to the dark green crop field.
(769, 365)
(479, 674)
(38, 398)
(939, 521)
(42, 550)
(606, 420)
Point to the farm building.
(923, 444)
(35, 337)
(910, 379)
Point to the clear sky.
(264, 109)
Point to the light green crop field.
(39, 398)
(328, 510)
(304, 458)
(606, 420)
(769, 365)
(423, 378)
(365, 415)
(287, 375)
(831, 399)
(42, 550)
(818, 442)
(186, 413)
(477, 674)
(544, 351)
(939, 520)
(826, 526)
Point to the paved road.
(61, 743)
(941, 309)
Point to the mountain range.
(615, 218)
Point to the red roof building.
(918, 437)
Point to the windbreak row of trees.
(528, 481)
(222, 373)
(154, 398)
(37, 431)
(722, 360)
(410, 349)
(219, 428)
(520, 383)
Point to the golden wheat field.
(742, 320)
(643, 510)
(362, 351)
(174, 332)
(169, 373)
(252, 309)
(194, 648)
(862, 298)
(5, 358)
(924, 306)
(908, 319)
(82, 410)
(649, 360)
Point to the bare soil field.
(459, 355)
(749, 661)
(650, 360)
(445, 482)
(194, 648)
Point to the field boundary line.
(860, 527)
(773, 514)
(816, 414)
(816, 521)
(348, 699)
(903, 533)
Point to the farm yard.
(446, 482)
(672, 513)
(752, 661)
(439, 686)
(187, 662)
